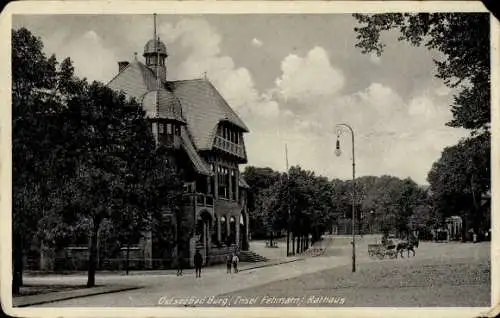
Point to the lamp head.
(338, 152)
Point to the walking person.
(198, 262)
(235, 262)
(180, 264)
(229, 262)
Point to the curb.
(68, 297)
(271, 264)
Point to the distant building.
(205, 138)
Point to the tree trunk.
(93, 254)
(465, 230)
(128, 259)
(17, 264)
(298, 244)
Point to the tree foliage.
(317, 203)
(460, 178)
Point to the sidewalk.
(114, 283)
(24, 301)
(214, 268)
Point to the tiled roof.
(162, 104)
(200, 165)
(135, 80)
(155, 46)
(203, 107)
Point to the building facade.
(206, 140)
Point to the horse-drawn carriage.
(382, 250)
(391, 249)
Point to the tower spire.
(158, 82)
(154, 26)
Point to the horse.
(406, 245)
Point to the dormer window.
(169, 129)
(231, 134)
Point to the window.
(161, 129)
(177, 130)
(233, 183)
(223, 182)
(169, 129)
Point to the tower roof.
(163, 104)
(154, 47)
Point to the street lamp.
(338, 152)
(372, 217)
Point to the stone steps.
(251, 257)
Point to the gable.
(203, 107)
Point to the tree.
(110, 139)
(463, 38)
(259, 180)
(164, 189)
(37, 142)
(459, 179)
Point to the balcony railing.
(231, 147)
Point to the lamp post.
(338, 153)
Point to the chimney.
(122, 65)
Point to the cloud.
(395, 135)
(256, 42)
(202, 42)
(91, 58)
(306, 78)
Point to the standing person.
(179, 265)
(198, 262)
(235, 262)
(229, 260)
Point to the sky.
(291, 78)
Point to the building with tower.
(206, 141)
